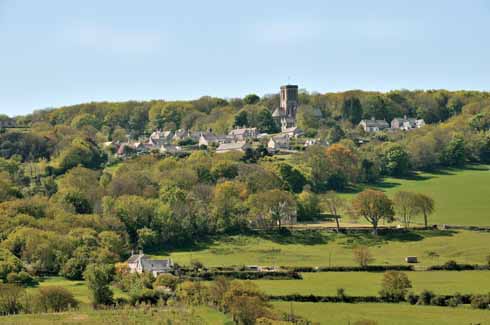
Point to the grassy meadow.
(321, 248)
(129, 316)
(385, 314)
(369, 283)
(461, 195)
(79, 289)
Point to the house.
(158, 138)
(170, 149)
(278, 142)
(243, 133)
(407, 123)
(209, 139)
(293, 132)
(139, 263)
(312, 142)
(240, 146)
(374, 125)
(7, 122)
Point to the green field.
(322, 248)
(368, 283)
(79, 289)
(461, 196)
(386, 314)
(174, 315)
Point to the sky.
(55, 53)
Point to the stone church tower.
(285, 115)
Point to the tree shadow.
(302, 237)
(386, 235)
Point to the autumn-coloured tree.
(373, 206)
(342, 164)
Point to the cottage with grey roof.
(139, 263)
(374, 125)
(407, 123)
(240, 146)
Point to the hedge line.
(314, 298)
(244, 275)
(465, 299)
(453, 266)
(369, 268)
(307, 269)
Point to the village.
(289, 140)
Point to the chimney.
(372, 118)
(132, 252)
(141, 252)
(404, 117)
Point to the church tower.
(289, 100)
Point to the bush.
(148, 296)
(438, 301)
(412, 298)
(425, 297)
(342, 295)
(394, 286)
(455, 300)
(55, 299)
(10, 299)
(166, 280)
(22, 278)
(480, 301)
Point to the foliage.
(394, 286)
(55, 299)
(98, 278)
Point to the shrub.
(438, 301)
(412, 298)
(455, 300)
(55, 299)
(425, 297)
(22, 278)
(148, 296)
(394, 286)
(480, 301)
(10, 299)
(166, 280)
(362, 256)
(342, 295)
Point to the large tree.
(373, 206)
(334, 203)
(406, 206)
(426, 205)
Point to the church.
(285, 114)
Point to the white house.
(139, 263)
(278, 142)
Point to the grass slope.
(174, 315)
(320, 248)
(79, 289)
(368, 284)
(386, 314)
(461, 195)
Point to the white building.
(139, 263)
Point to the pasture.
(369, 283)
(323, 248)
(461, 195)
(126, 316)
(385, 314)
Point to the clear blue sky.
(55, 53)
